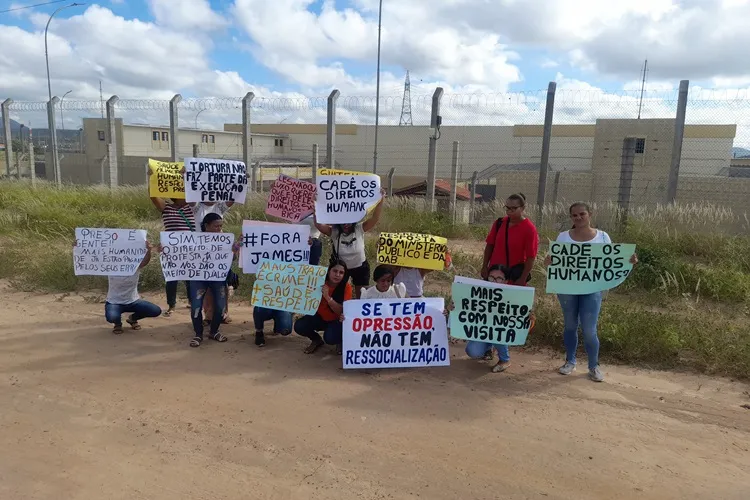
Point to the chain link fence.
(628, 149)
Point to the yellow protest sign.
(422, 251)
(165, 179)
(330, 171)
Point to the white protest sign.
(344, 199)
(272, 241)
(215, 180)
(108, 252)
(190, 256)
(395, 333)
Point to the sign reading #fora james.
(209, 180)
(584, 268)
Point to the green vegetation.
(684, 306)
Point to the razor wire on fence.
(625, 147)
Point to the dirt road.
(86, 415)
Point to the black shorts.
(360, 276)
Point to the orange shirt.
(324, 310)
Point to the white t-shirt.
(349, 247)
(413, 280)
(123, 289)
(314, 233)
(601, 237)
(201, 210)
(397, 291)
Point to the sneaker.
(567, 368)
(260, 339)
(596, 375)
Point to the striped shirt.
(174, 221)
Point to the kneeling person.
(122, 297)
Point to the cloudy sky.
(152, 49)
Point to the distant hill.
(740, 153)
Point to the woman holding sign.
(336, 291)
(212, 223)
(348, 242)
(582, 310)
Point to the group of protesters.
(510, 253)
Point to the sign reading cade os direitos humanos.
(584, 268)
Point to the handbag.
(511, 273)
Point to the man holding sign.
(582, 263)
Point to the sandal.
(218, 337)
(168, 312)
(501, 366)
(117, 330)
(314, 346)
(489, 355)
(225, 320)
(133, 323)
(196, 342)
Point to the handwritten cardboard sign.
(395, 333)
(584, 268)
(215, 180)
(296, 288)
(272, 241)
(422, 251)
(193, 256)
(166, 179)
(490, 312)
(346, 199)
(108, 252)
(291, 199)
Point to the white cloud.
(187, 14)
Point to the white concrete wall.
(703, 157)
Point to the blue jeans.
(140, 309)
(316, 250)
(309, 326)
(197, 291)
(583, 310)
(476, 350)
(282, 320)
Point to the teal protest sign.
(288, 286)
(583, 268)
(490, 312)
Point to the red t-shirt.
(523, 242)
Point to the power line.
(31, 6)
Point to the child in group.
(384, 287)
(413, 278)
(122, 297)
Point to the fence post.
(174, 125)
(32, 163)
(8, 139)
(546, 139)
(315, 158)
(255, 174)
(473, 196)
(679, 132)
(435, 122)
(454, 182)
(626, 178)
(247, 138)
(112, 141)
(331, 130)
(196, 151)
(53, 138)
(391, 173)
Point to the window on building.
(155, 135)
(101, 135)
(165, 137)
(278, 143)
(212, 139)
(640, 146)
(204, 138)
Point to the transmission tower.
(406, 104)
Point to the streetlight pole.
(62, 117)
(46, 52)
(196, 118)
(377, 94)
